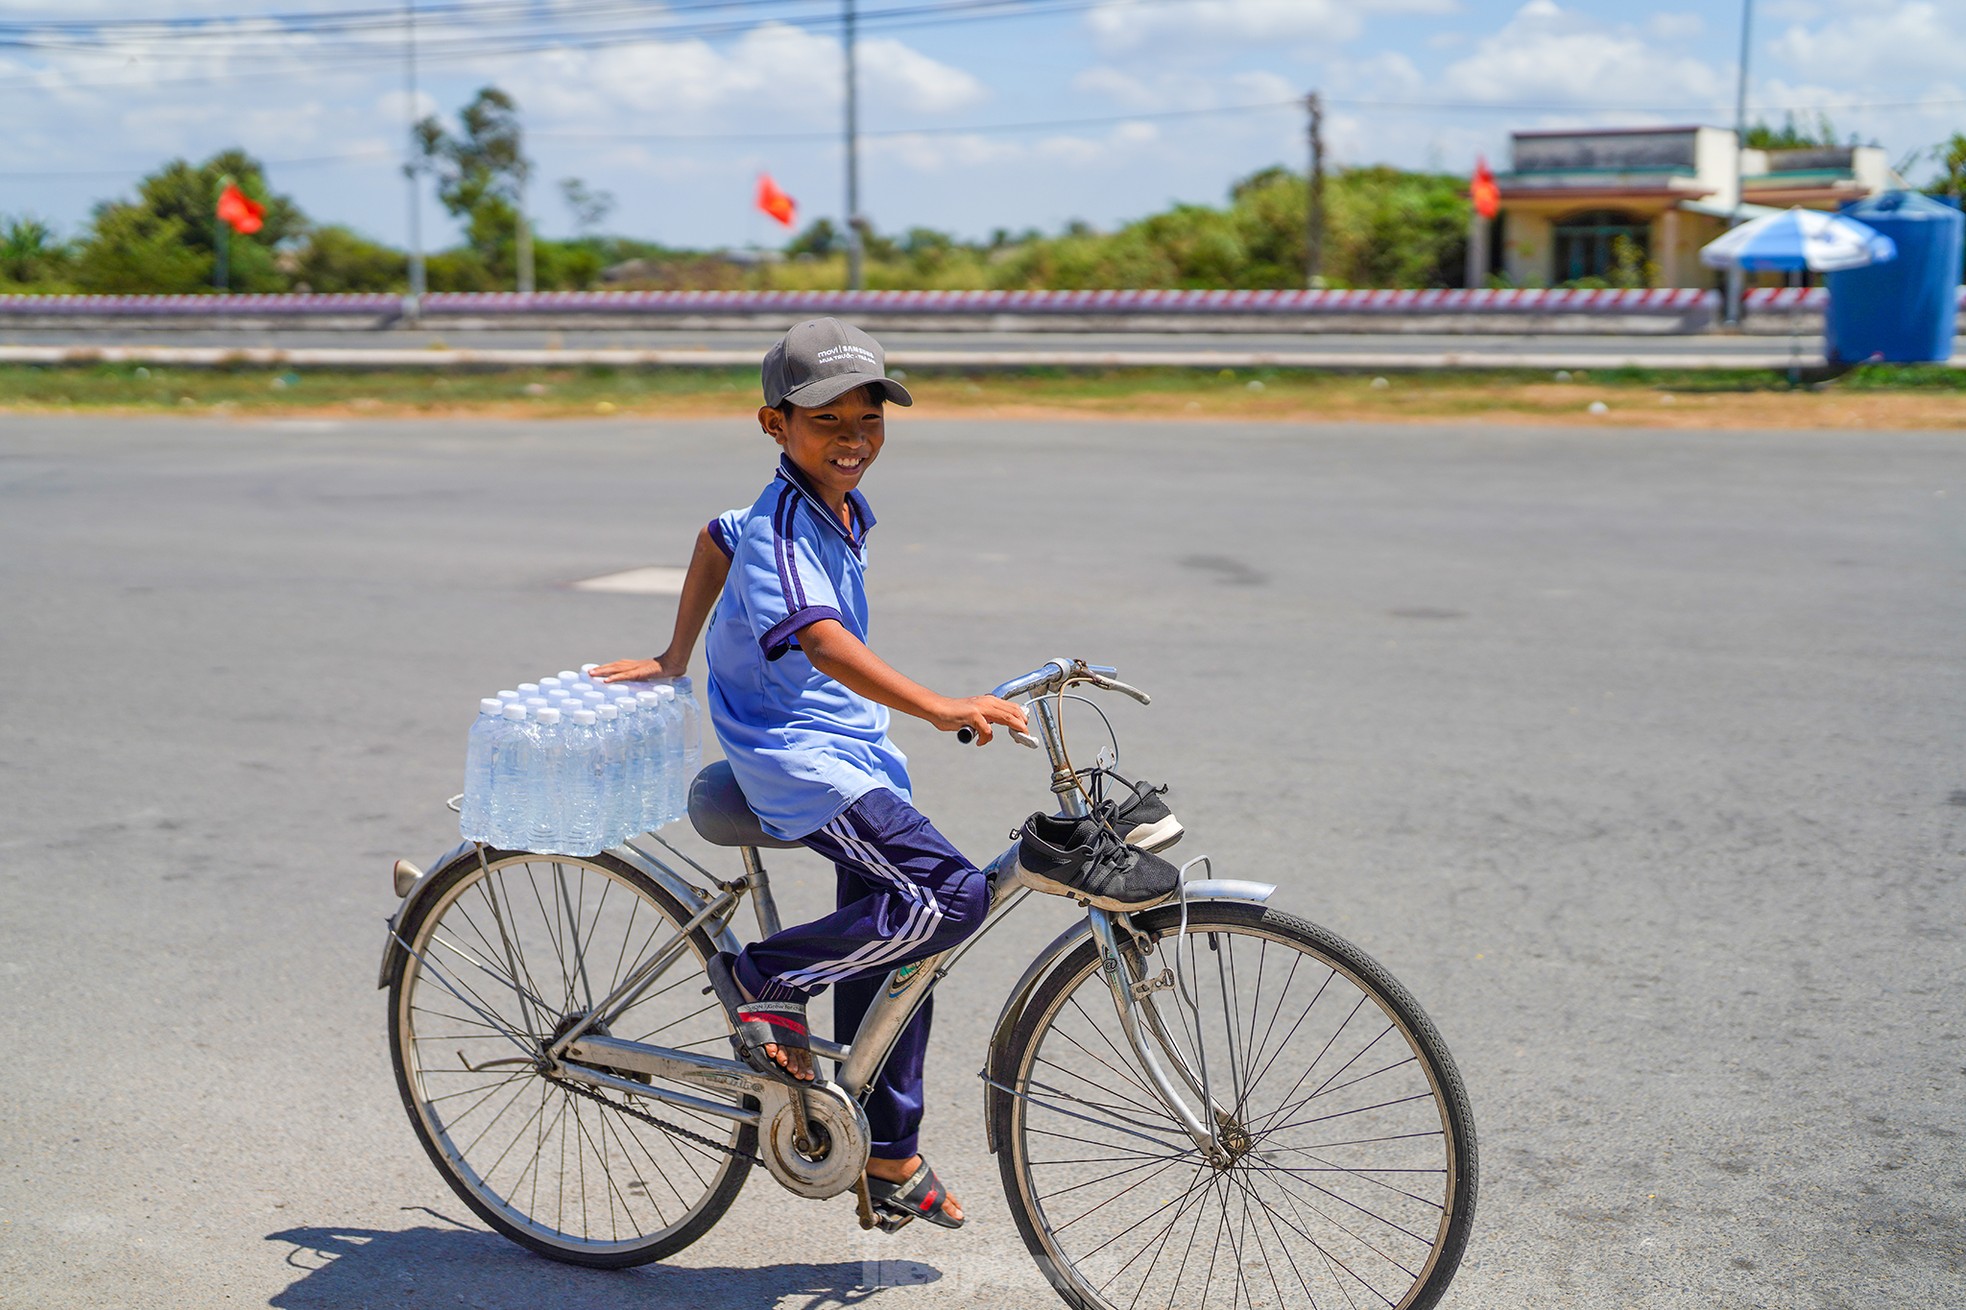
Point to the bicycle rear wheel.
(1352, 1173)
(505, 957)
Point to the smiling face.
(832, 444)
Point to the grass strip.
(1875, 396)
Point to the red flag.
(1486, 195)
(775, 202)
(245, 214)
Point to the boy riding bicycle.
(800, 705)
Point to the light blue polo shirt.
(802, 746)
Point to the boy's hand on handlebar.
(978, 713)
(662, 666)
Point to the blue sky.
(1420, 83)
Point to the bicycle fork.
(1128, 993)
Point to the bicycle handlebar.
(1053, 676)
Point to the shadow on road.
(456, 1265)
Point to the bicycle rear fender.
(1211, 889)
(687, 894)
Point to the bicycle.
(1209, 1102)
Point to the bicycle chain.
(750, 1157)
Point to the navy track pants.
(904, 894)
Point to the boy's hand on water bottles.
(978, 713)
(664, 665)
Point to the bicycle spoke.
(1336, 1189)
(579, 1172)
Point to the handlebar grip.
(965, 734)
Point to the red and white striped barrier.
(928, 303)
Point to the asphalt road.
(1691, 347)
(1637, 755)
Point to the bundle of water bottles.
(571, 766)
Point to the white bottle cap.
(588, 668)
(568, 675)
(548, 716)
(607, 713)
(585, 718)
(509, 696)
(667, 692)
(594, 697)
(538, 702)
(556, 694)
(647, 698)
(529, 689)
(624, 704)
(491, 705)
(516, 713)
(549, 682)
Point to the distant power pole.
(413, 302)
(1314, 210)
(1736, 279)
(854, 244)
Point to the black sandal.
(920, 1197)
(756, 1023)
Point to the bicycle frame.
(586, 1054)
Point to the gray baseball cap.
(821, 360)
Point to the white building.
(1638, 203)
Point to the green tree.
(1792, 135)
(1951, 180)
(820, 238)
(29, 252)
(481, 174)
(590, 207)
(337, 259)
(131, 252)
(171, 228)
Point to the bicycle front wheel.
(1349, 1167)
(503, 958)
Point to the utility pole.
(522, 238)
(1314, 209)
(855, 246)
(413, 301)
(221, 234)
(1736, 279)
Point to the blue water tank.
(1907, 309)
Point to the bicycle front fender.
(1210, 889)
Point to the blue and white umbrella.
(1799, 238)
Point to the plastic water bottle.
(546, 814)
(586, 785)
(692, 725)
(614, 812)
(631, 728)
(675, 768)
(660, 737)
(506, 821)
(474, 814)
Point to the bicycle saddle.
(721, 815)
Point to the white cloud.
(771, 70)
(1884, 41)
(916, 81)
(1675, 27)
(1546, 52)
(1130, 24)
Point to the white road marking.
(655, 580)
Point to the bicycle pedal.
(893, 1223)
